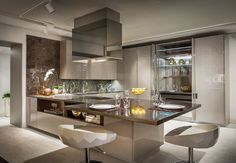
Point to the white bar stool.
(199, 136)
(85, 137)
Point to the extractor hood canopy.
(97, 36)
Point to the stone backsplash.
(79, 86)
(43, 57)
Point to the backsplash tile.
(44, 55)
(80, 86)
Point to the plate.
(171, 106)
(102, 106)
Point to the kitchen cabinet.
(208, 79)
(31, 107)
(202, 73)
(48, 122)
(173, 70)
(40, 120)
(137, 69)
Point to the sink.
(63, 96)
(171, 106)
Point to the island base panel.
(135, 141)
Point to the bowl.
(77, 114)
(186, 88)
(138, 91)
(138, 110)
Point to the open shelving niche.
(57, 107)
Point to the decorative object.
(138, 110)
(138, 91)
(171, 61)
(186, 88)
(77, 114)
(6, 97)
(58, 89)
(55, 91)
(47, 91)
(181, 62)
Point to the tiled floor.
(25, 145)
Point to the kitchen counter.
(77, 97)
(151, 115)
(140, 133)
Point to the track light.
(49, 7)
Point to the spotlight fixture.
(49, 7)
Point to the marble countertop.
(77, 97)
(151, 115)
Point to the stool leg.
(87, 155)
(190, 155)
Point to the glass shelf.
(164, 66)
(177, 76)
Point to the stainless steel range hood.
(97, 36)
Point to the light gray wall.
(231, 76)
(18, 69)
(4, 75)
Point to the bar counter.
(149, 115)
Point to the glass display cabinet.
(173, 70)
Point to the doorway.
(17, 111)
(5, 94)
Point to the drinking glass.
(117, 100)
(126, 102)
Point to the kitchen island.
(140, 128)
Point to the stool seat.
(198, 136)
(85, 137)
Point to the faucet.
(84, 86)
(157, 99)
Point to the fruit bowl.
(77, 114)
(138, 110)
(138, 91)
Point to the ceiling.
(140, 18)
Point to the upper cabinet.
(208, 79)
(93, 70)
(137, 69)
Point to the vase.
(7, 107)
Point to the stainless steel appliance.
(97, 36)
